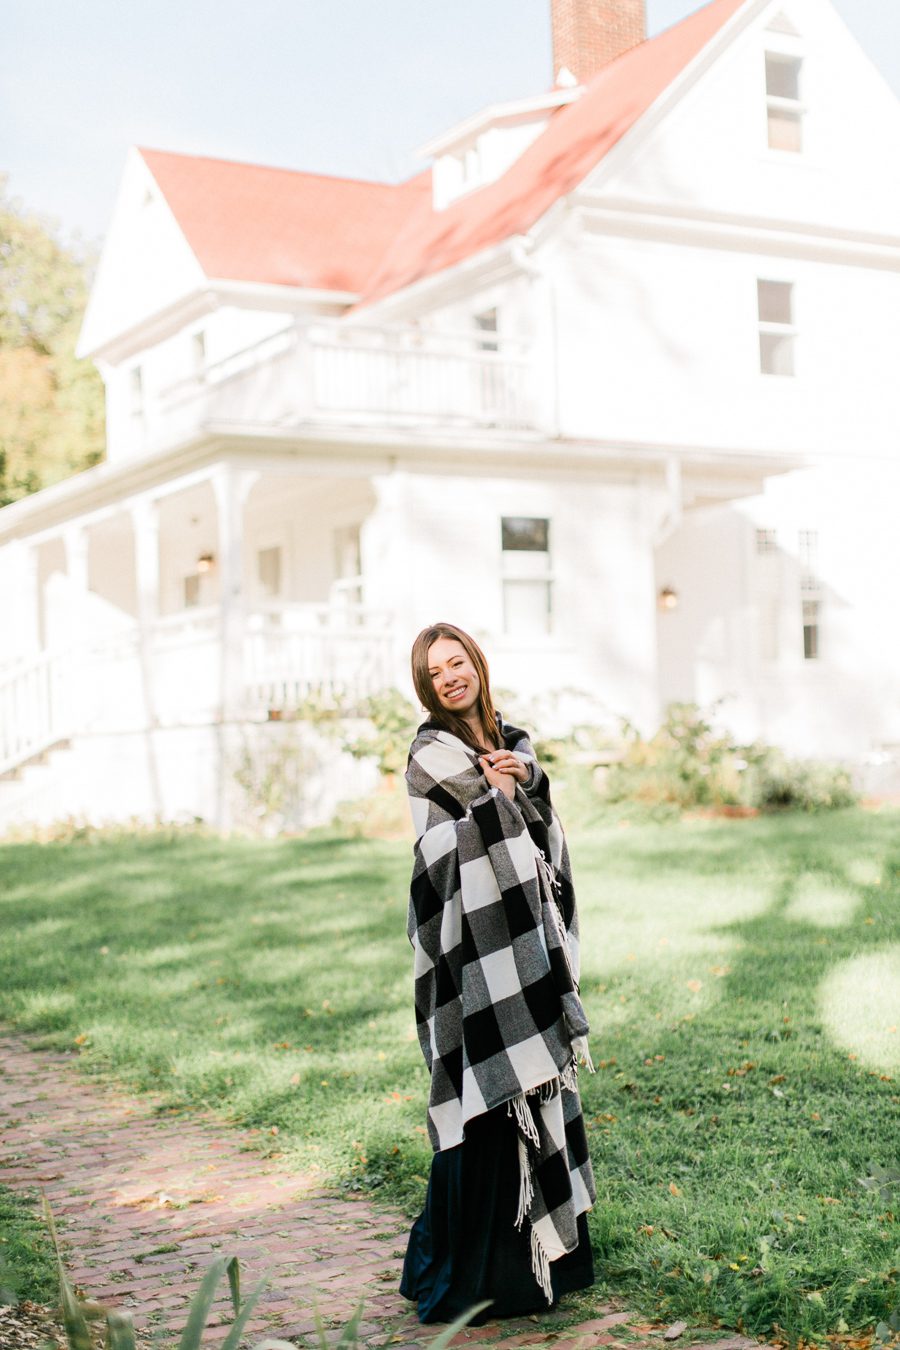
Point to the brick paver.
(145, 1200)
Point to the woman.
(493, 926)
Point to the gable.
(146, 265)
(711, 152)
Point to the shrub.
(391, 722)
(686, 763)
(801, 785)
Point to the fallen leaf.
(674, 1331)
(695, 986)
(673, 1190)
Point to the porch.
(172, 674)
(230, 595)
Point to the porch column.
(76, 544)
(27, 634)
(231, 488)
(144, 513)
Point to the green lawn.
(742, 981)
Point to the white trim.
(165, 323)
(496, 114)
(666, 222)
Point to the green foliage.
(51, 404)
(275, 775)
(803, 785)
(26, 1266)
(686, 763)
(390, 725)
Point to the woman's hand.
(504, 761)
(497, 777)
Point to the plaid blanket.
(494, 930)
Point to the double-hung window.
(784, 108)
(810, 593)
(777, 333)
(527, 582)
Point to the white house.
(612, 384)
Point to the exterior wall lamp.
(667, 598)
(205, 562)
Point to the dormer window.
(471, 162)
(783, 106)
(136, 391)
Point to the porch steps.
(15, 773)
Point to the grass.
(27, 1269)
(742, 980)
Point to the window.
(775, 301)
(136, 391)
(268, 572)
(527, 583)
(811, 620)
(808, 550)
(192, 590)
(486, 322)
(783, 106)
(471, 163)
(810, 592)
(766, 541)
(198, 354)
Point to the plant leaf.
(77, 1331)
(119, 1331)
(233, 1271)
(443, 1340)
(236, 1330)
(200, 1306)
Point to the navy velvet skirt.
(465, 1247)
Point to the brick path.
(144, 1201)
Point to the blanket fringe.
(569, 1076)
(526, 1183)
(540, 1265)
(519, 1108)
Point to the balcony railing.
(351, 376)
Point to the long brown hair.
(424, 686)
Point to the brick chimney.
(588, 34)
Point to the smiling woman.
(493, 926)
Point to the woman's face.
(454, 677)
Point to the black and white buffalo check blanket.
(494, 930)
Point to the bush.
(801, 785)
(686, 763)
(391, 725)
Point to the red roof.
(250, 223)
(246, 222)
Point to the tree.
(51, 404)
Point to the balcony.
(336, 376)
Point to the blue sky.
(349, 87)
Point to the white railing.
(173, 675)
(340, 653)
(35, 709)
(340, 375)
